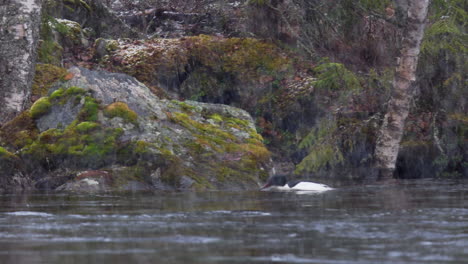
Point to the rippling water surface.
(410, 222)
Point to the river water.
(409, 222)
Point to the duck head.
(275, 180)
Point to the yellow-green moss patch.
(86, 126)
(5, 153)
(120, 109)
(61, 92)
(40, 107)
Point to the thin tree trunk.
(391, 132)
(19, 33)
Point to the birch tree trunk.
(391, 132)
(19, 33)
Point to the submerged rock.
(113, 124)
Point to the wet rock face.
(13, 176)
(116, 87)
(113, 124)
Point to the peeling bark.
(391, 132)
(19, 34)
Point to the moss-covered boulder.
(100, 121)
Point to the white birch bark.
(391, 132)
(19, 34)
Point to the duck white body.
(279, 182)
(308, 186)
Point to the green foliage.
(49, 51)
(40, 107)
(323, 149)
(454, 10)
(335, 77)
(447, 30)
(444, 36)
(443, 70)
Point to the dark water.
(412, 222)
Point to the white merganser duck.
(280, 182)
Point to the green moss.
(20, 131)
(90, 110)
(238, 122)
(50, 135)
(66, 93)
(141, 147)
(5, 153)
(217, 135)
(185, 107)
(44, 77)
(120, 109)
(57, 94)
(216, 117)
(220, 153)
(86, 126)
(85, 144)
(69, 30)
(245, 58)
(73, 90)
(40, 107)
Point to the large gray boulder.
(101, 121)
